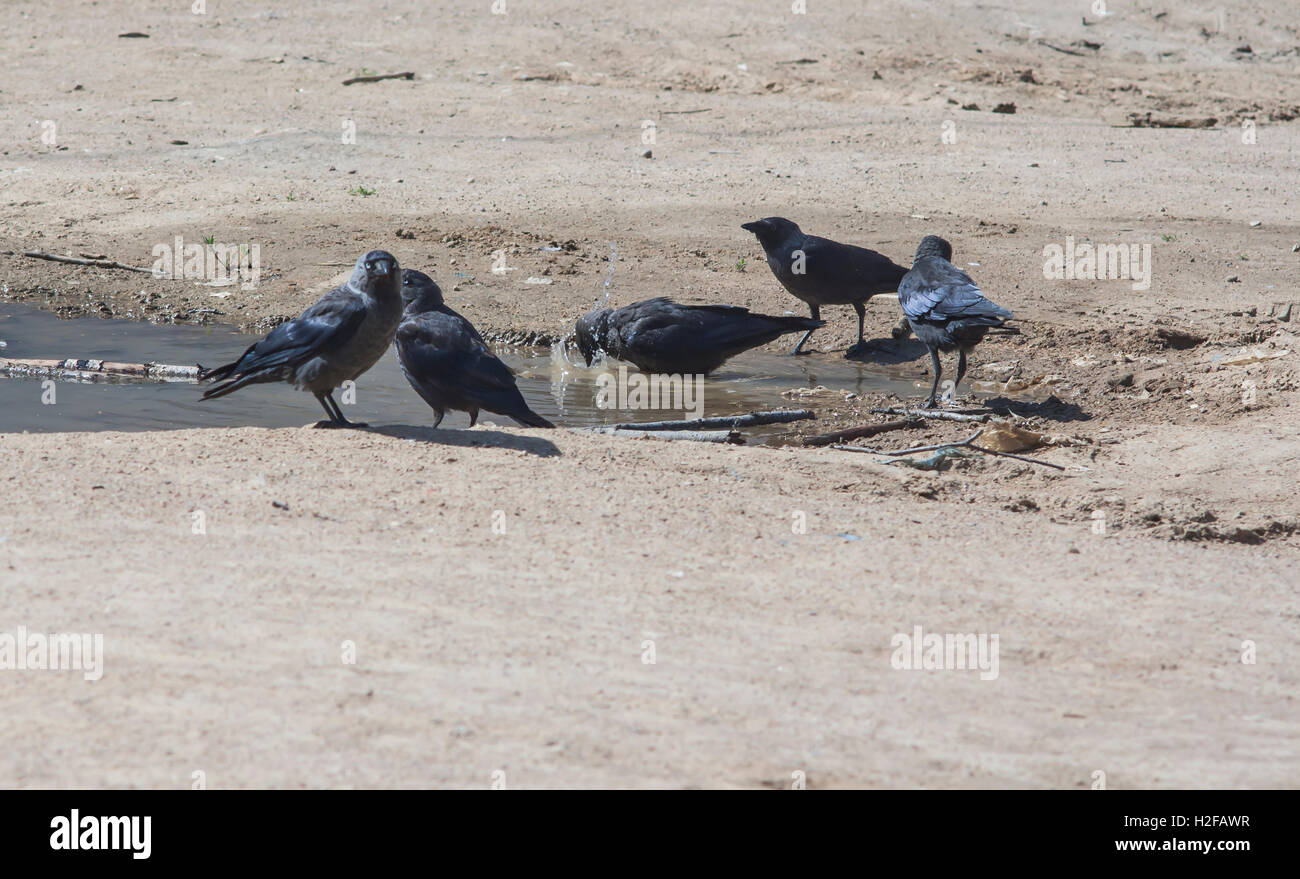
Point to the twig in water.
(98, 263)
(90, 369)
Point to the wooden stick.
(99, 369)
(940, 414)
(1060, 49)
(700, 436)
(98, 263)
(866, 430)
(968, 443)
(753, 419)
(379, 77)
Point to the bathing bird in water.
(334, 341)
(945, 308)
(659, 335)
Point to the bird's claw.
(340, 425)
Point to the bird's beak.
(383, 268)
(752, 227)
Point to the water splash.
(609, 278)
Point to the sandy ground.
(522, 652)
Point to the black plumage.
(659, 335)
(945, 308)
(336, 340)
(824, 272)
(449, 364)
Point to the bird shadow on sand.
(1052, 409)
(889, 351)
(470, 438)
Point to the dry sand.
(522, 651)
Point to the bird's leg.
(336, 414)
(816, 315)
(320, 398)
(938, 371)
(473, 417)
(438, 420)
(961, 370)
(862, 347)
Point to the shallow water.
(554, 387)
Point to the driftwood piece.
(724, 422)
(865, 430)
(77, 261)
(91, 369)
(940, 414)
(699, 436)
(380, 77)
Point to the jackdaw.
(658, 335)
(448, 363)
(945, 308)
(334, 341)
(824, 272)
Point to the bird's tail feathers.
(531, 419)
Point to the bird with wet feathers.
(824, 272)
(334, 341)
(945, 308)
(662, 336)
(448, 363)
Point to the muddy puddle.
(565, 392)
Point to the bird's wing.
(835, 263)
(444, 350)
(935, 289)
(325, 326)
(673, 331)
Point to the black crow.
(945, 308)
(334, 341)
(658, 335)
(448, 363)
(824, 272)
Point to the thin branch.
(940, 414)
(379, 77)
(968, 443)
(90, 369)
(861, 432)
(753, 419)
(701, 436)
(98, 263)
